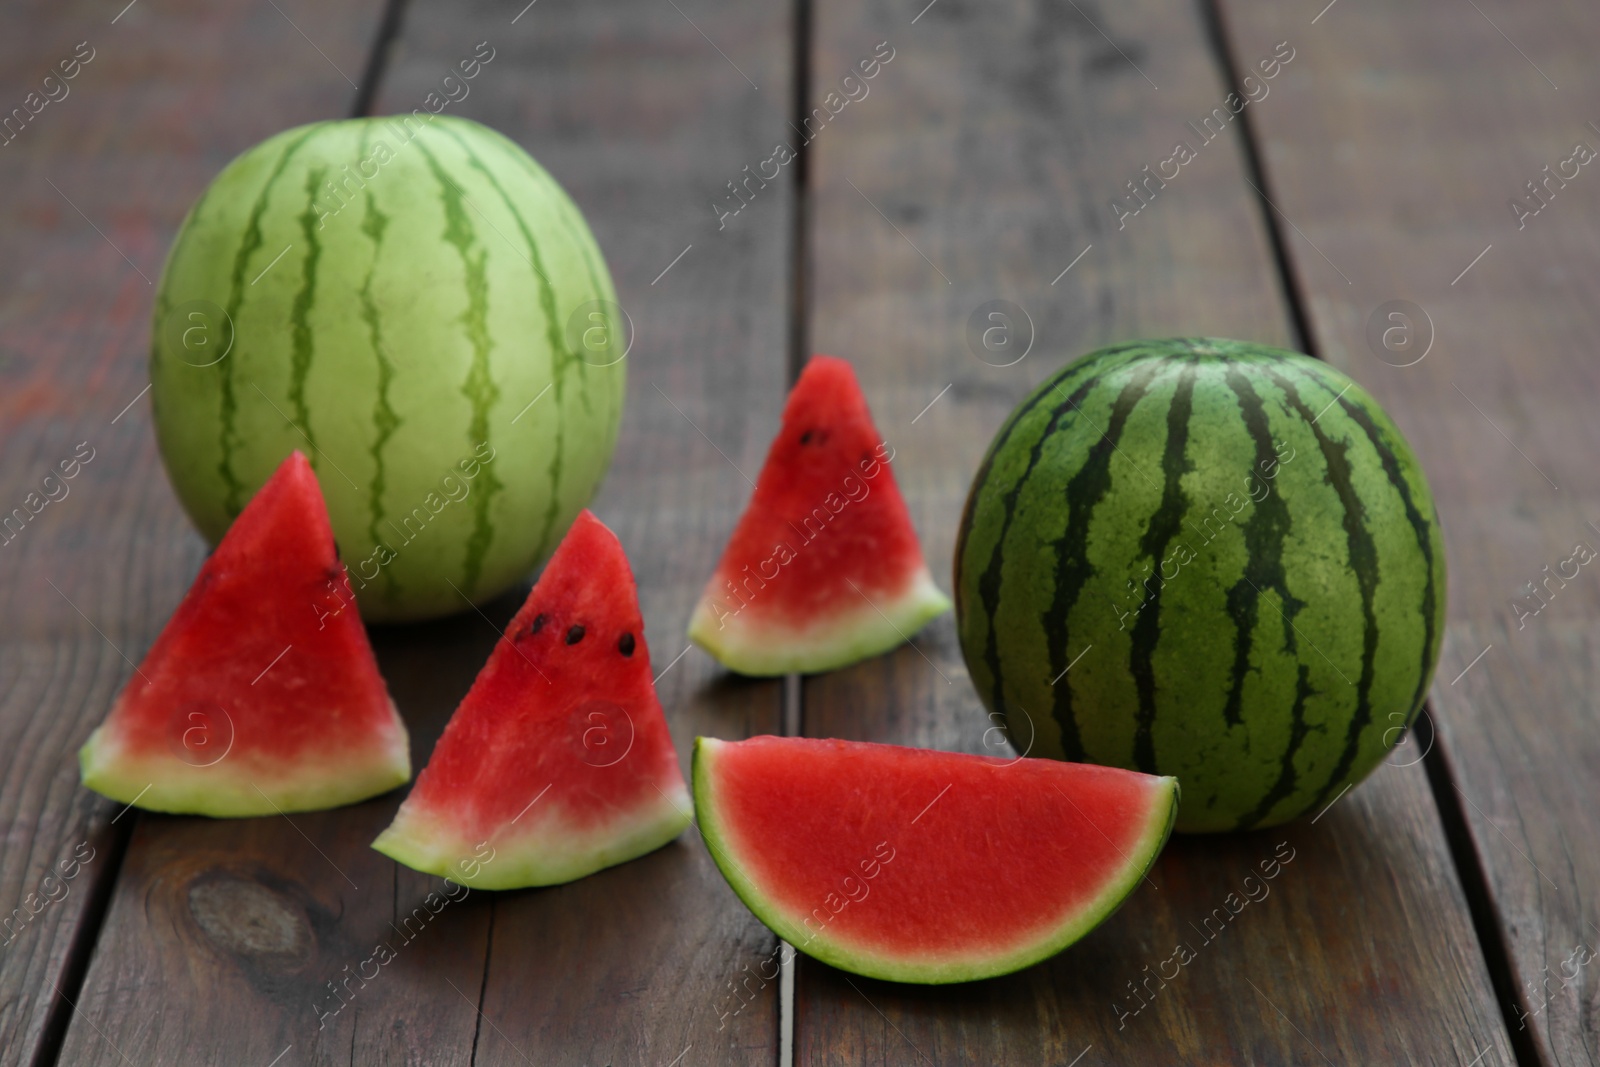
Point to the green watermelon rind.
(862, 631)
(1059, 528)
(222, 790)
(403, 315)
(424, 843)
(819, 946)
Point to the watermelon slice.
(823, 568)
(261, 695)
(921, 866)
(558, 762)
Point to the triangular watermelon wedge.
(824, 568)
(261, 695)
(920, 866)
(558, 762)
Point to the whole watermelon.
(418, 306)
(1235, 553)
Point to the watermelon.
(261, 695)
(920, 866)
(417, 304)
(557, 762)
(823, 568)
(1209, 559)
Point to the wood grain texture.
(96, 182)
(643, 122)
(238, 942)
(230, 941)
(982, 163)
(1397, 147)
(981, 166)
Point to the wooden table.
(1434, 915)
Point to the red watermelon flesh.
(558, 762)
(920, 866)
(262, 694)
(824, 567)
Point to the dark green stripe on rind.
(301, 337)
(1425, 529)
(1288, 778)
(1093, 362)
(1265, 532)
(479, 387)
(568, 221)
(560, 359)
(163, 304)
(1162, 527)
(1084, 490)
(233, 488)
(1363, 558)
(989, 582)
(385, 421)
(1088, 370)
(571, 221)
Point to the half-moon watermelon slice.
(824, 568)
(921, 866)
(261, 695)
(558, 762)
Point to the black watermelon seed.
(575, 635)
(625, 645)
(805, 438)
(538, 624)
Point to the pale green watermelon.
(420, 308)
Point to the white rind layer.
(976, 964)
(540, 847)
(239, 784)
(755, 645)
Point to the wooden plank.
(259, 921)
(1397, 147)
(643, 121)
(97, 181)
(995, 145)
(238, 941)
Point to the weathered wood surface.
(1396, 145)
(225, 942)
(979, 166)
(643, 121)
(994, 143)
(96, 183)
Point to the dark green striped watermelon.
(1235, 553)
(416, 304)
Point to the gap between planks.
(1293, 297)
(1473, 877)
(793, 721)
(97, 908)
(81, 946)
(1471, 874)
(799, 341)
(378, 58)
